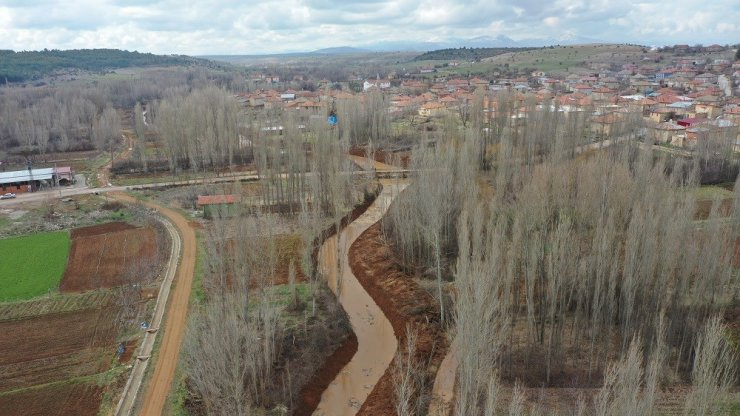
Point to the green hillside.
(466, 54)
(30, 65)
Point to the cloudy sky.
(198, 27)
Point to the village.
(680, 100)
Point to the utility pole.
(56, 180)
(30, 173)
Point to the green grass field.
(32, 265)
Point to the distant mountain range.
(340, 50)
(500, 41)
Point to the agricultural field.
(79, 399)
(56, 347)
(55, 356)
(32, 265)
(110, 255)
(60, 351)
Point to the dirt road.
(376, 342)
(133, 386)
(160, 383)
(443, 390)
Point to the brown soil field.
(65, 400)
(109, 255)
(704, 208)
(110, 227)
(404, 303)
(56, 347)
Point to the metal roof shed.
(19, 176)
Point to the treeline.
(466, 54)
(31, 65)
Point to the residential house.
(643, 86)
(479, 83)
(610, 82)
(448, 102)
(602, 94)
(668, 133)
(432, 109)
(582, 88)
(733, 114)
(604, 125)
(661, 114)
(709, 105)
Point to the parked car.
(9, 195)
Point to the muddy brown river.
(376, 342)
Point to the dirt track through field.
(160, 383)
(376, 342)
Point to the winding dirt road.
(160, 383)
(443, 391)
(376, 342)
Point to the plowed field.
(56, 400)
(56, 347)
(110, 255)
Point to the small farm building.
(217, 206)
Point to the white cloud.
(551, 21)
(236, 26)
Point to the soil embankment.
(407, 305)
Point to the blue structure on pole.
(332, 120)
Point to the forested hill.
(466, 54)
(29, 65)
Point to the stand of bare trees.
(43, 121)
(233, 353)
(107, 130)
(565, 262)
(233, 339)
(423, 222)
(364, 119)
(60, 118)
(200, 130)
